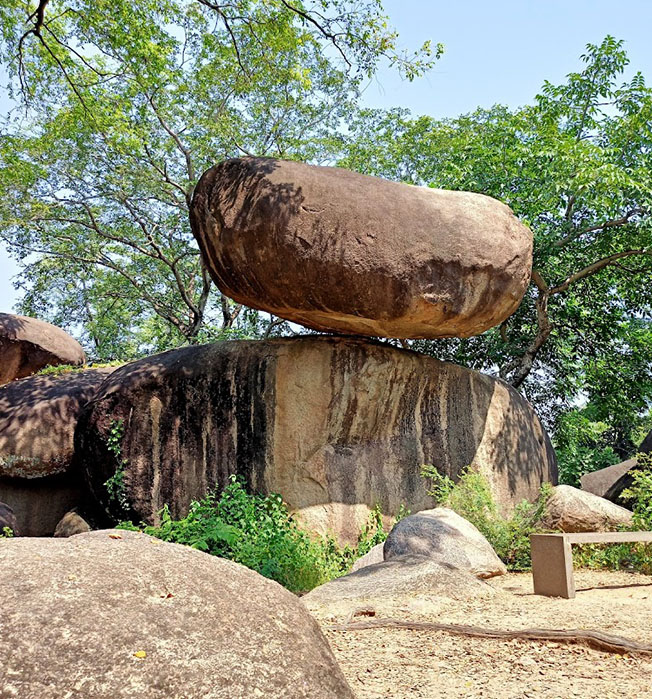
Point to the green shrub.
(471, 498)
(6, 533)
(259, 532)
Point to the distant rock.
(334, 425)
(71, 523)
(374, 555)
(119, 614)
(572, 510)
(600, 482)
(338, 251)
(28, 345)
(441, 535)
(38, 416)
(8, 520)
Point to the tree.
(121, 106)
(577, 167)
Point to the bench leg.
(552, 566)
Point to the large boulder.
(569, 509)
(119, 614)
(333, 425)
(27, 345)
(38, 416)
(443, 536)
(336, 250)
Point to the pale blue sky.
(498, 51)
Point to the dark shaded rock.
(441, 535)
(339, 251)
(646, 444)
(569, 509)
(28, 345)
(334, 425)
(76, 611)
(38, 416)
(600, 482)
(8, 519)
(70, 525)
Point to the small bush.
(259, 532)
(471, 498)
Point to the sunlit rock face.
(344, 252)
(334, 425)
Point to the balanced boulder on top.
(27, 345)
(339, 251)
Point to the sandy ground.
(401, 663)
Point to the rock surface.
(601, 481)
(70, 525)
(441, 535)
(572, 510)
(404, 576)
(76, 611)
(333, 425)
(38, 416)
(8, 519)
(374, 555)
(28, 345)
(336, 250)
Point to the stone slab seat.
(552, 561)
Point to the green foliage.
(640, 492)
(582, 446)
(6, 533)
(115, 486)
(471, 498)
(61, 369)
(259, 532)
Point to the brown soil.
(401, 663)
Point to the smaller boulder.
(374, 555)
(70, 524)
(8, 520)
(28, 345)
(572, 510)
(443, 536)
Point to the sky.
(495, 52)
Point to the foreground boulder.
(28, 345)
(119, 614)
(336, 250)
(38, 416)
(443, 536)
(569, 509)
(333, 425)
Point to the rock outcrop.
(602, 481)
(572, 510)
(38, 416)
(28, 345)
(339, 251)
(441, 535)
(333, 425)
(119, 614)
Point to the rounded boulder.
(119, 614)
(338, 251)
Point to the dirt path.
(401, 663)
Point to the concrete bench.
(552, 561)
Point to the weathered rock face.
(75, 611)
(572, 510)
(8, 519)
(600, 482)
(443, 536)
(27, 345)
(335, 250)
(334, 425)
(38, 416)
(71, 523)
